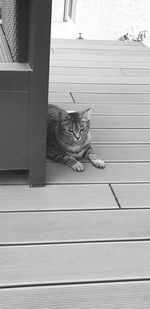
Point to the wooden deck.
(83, 241)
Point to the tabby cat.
(69, 139)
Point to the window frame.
(70, 7)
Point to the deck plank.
(113, 173)
(98, 88)
(85, 296)
(99, 64)
(120, 136)
(96, 262)
(136, 72)
(68, 227)
(109, 52)
(92, 45)
(100, 79)
(103, 57)
(95, 42)
(62, 197)
(123, 153)
(122, 122)
(60, 97)
(133, 195)
(127, 98)
(86, 71)
(108, 109)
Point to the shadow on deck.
(83, 241)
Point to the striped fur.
(69, 139)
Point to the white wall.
(57, 10)
(109, 19)
(103, 19)
(59, 28)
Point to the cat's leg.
(65, 159)
(74, 164)
(96, 161)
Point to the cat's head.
(74, 126)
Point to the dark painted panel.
(39, 37)
(13, 80)
(14, 130)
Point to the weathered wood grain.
(108, 109)
(94, 42)
(99, 64)
(133, 195)
(126, 98)
(86, 71)
(51, 264)
(136, 72)
(100, 79)
(79, 226)
(103, 57)
(85, 296)
(123, 153)
(120, 136)
(59, 97)
(97, 44)
(113, 173)
(144, 52)
(98, 88)
(122, 122)
(52, 198)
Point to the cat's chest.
(76, 152)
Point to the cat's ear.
(63, 116)
(86, 113)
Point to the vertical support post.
(38, 58)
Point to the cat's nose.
(77, 136)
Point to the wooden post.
(39, 45)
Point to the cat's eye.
(70, 130)
(82, 129)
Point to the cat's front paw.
(78, 167)
(98, 163)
